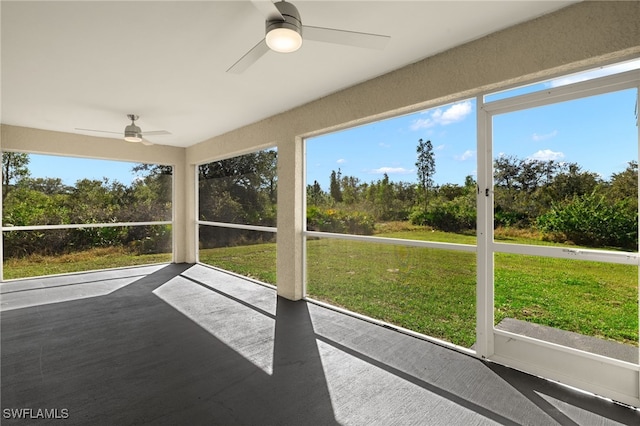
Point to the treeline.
(240, 190)
(560, 200)
(31, 201)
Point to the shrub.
(592, 220)
(419, 216)
(456, 215)
(340, 221)
(508, 219)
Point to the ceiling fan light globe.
(283, 40)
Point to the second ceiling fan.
(132, 133)
(284, 33)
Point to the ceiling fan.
(284, 33)
(132, 133)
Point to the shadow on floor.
(129, 358)
(565, 408)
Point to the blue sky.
(389, 146)
(71, 169)
(599, 133)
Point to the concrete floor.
(186, 344)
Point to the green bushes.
(340, 221)
(594, 221)
(33, 202)
(456, 215)
(149, 239)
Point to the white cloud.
(455, 113)
(422, 123)
(536, 137)
(439, 117)
(392, 170)
(545, 155)
(465, 155)
(384, 145)
(439, 147)
(341, 161)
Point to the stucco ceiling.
(86, 64)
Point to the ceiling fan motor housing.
(292, 21)
(132, 133)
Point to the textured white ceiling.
(86, 64)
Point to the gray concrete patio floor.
(186, 344)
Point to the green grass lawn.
(590, 298)
(256, 261)
(431, 291)
(426, 290)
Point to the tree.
(153, 169)
(624, 185)
(384, 198)
(315, 194)
(351, 187)
(157, 176)
(49, 186)
(14, 169)
(506, 169)
(334, 186)
(573, 181)
(426, 164)
(240, 189)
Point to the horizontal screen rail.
(568, 253)
(622, 81)
(239, 226)
(82, 225)
(394, 241)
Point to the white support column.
(291, 194)
(191, 211)
(192, 242)
(484, 292)
(184, 202)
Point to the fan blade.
(99, 131)
(146, 142)
(268, 10)
(349, 38)
(156, 133)
(249, 58)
